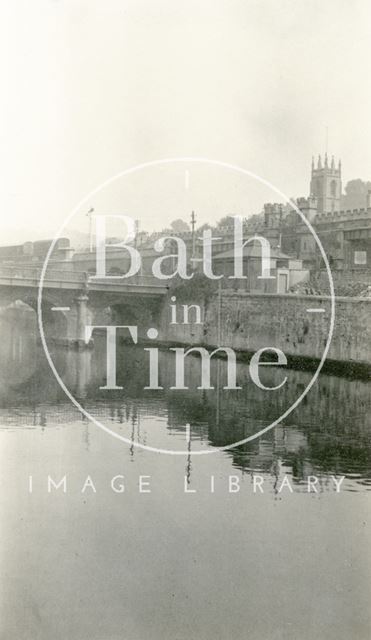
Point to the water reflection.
(329, 433)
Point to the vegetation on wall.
(198, 289)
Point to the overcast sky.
(93, 87)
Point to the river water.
(179, 546)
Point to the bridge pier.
(83, 317)
(78, 317)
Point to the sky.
(91, 88)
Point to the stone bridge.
(71, 300)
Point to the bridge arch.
(56, 322)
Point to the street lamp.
(91, 210)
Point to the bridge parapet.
(30, 276)
(34, 273)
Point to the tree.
(179, 225)
(355, 194)
(199, 289)
(203, 227)
(226, 221)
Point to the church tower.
(325, 185)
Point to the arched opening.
(23, 312)
(18, 344)
(20, 349)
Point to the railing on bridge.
(10, 272)
(137, 280)
(34, 273)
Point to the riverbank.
(298, 325)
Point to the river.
(136, 544)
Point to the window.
(333, 188)
(360, 257)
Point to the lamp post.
(193, 222)
(91, 210)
